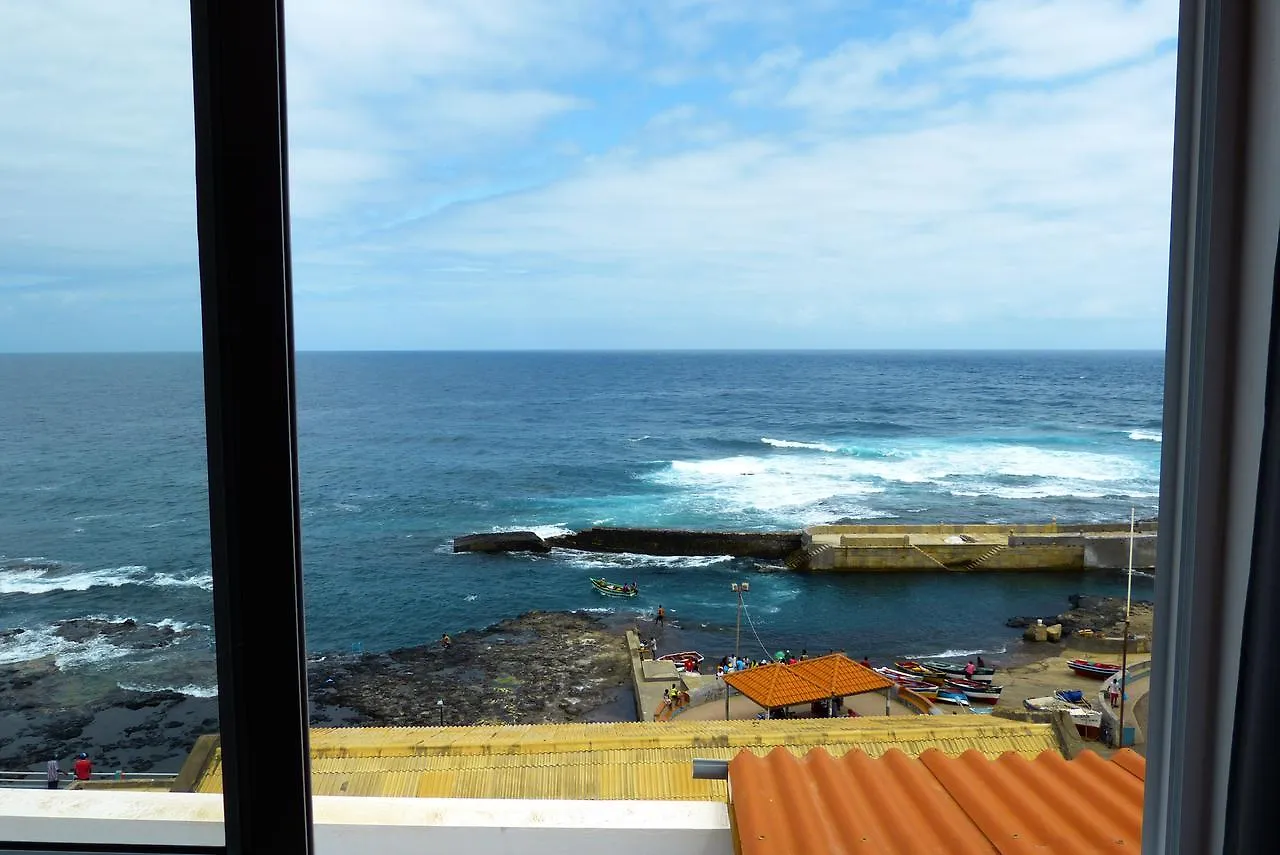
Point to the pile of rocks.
(1100, 615)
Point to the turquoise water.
(102, 494)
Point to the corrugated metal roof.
(784, 803)
(638, 760)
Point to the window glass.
(107, 676)
(564, 266)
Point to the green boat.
(609, 589)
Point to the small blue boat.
(946, 696)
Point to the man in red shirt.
(83, 767)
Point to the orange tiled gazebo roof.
(840, 675)
(831, 676)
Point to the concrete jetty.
(867, 548)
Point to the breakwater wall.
(765, 546)
(865, 548)
(773, 545)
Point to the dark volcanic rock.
(539, 667)
(1100, 614)
(123, 633)
(503, 541)
(534, 668)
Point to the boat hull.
(609, 590)
(950, 670)
(980, 692)
(1096, 670)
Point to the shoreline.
(537, 667)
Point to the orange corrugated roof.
(935, 803)
(776, 685)
(830, 676)
(840, 675)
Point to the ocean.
(103, 492)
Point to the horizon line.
(619, 350)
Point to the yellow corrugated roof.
(640, 760)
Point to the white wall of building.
(387, 826)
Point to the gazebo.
(824, 678)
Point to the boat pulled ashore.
(1097, 670)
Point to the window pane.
(756, 271)
(106, 641)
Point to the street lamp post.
(440, 707)
(739, 588)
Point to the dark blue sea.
(103, 491)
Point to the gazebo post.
(887, 707)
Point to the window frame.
(1202, 795)
(242, 202)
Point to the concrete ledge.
(658, 670)
(388, 826)
(197, 761)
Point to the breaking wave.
(191, 691)
(789, 443)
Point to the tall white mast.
(1128, 597)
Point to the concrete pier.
(881, 548)
(866, 548)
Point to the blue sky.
(596, 174)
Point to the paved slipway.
(538, 667)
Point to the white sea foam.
(543, 531)
(819, 488)
(19, 580)
(44, 641)
(1146, 436)
(178, 625)
(791, 443)
(471, 598)
(192, 691)
(626, 560)
(32, 644)
(166, 580)
(952, 654)
(640, 438)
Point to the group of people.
(82, 770)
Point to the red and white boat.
(1098, 670)
(680, 660)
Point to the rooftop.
(972, 803)
(639, 760)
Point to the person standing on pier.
(53, 774)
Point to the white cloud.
(932, 183)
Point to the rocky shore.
(1099, 614)
(539, 667)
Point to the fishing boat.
(1097, 670)
(897, 676)
(918, 671)
(952, 669)
(906, 681)
(611, 589)
(974, 691)
(680, 658)
(945, 696)
(1087, 720)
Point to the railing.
(40, 779)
